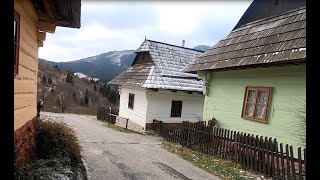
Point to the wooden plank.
(47, 27)
(40, 43)
(217, 141)
(23, 100)
(246, 140)
(49, 8)
(25, 86)
(277, 160)
(227, 147)
(41, 36)
(215, 133)
(233, 146)
(259, 155)
(237, 147)
(28, 61)
(24, 14)
(222, 142)
(283, 175)
(26, 73)
(293, 170)
(241, 149)
(22, 115)
(201, 141)
(263, 148)
(251, 152)
(27, 40)
(300, 164)
(268, 156)
(272, 149)
(208, 141)
(255, 153)
(212, 143)
(288, 162)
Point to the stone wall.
(24, 139)
(131, 125)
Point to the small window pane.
(176, 108)
(263, 97)
(252, 95)
(131, 101)
(249, 109)
(260, 111)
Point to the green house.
(255, 77)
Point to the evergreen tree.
(86, 98)
(69, 78)
(56, 67)
(49, 80)
(44, 79)
(74, 96)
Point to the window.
(16, 31)
(176, 108)
(256, 103)
(131, 101)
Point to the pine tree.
(44, 79)
(69, 78)
(56, 67)
(49, 80)
(74, 96)
(86, 98)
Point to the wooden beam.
(40, 43)
(41, 36)
(50, 9)
(47, 27)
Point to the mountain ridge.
(104, 66)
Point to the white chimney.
(183, 42)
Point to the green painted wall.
(226, 93)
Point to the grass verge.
(222, 168)
(121, 129)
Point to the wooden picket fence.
(255, 153)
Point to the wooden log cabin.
(32, 20)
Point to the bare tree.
(64, 101)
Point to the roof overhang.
(65, 13)
(254, 66)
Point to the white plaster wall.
(139, 111)
(159, 106)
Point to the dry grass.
(225, 169)
(121, 129)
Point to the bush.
(21, 171)
(54, 139)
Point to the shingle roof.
(165, 70)
(277, 39)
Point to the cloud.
(107, 26)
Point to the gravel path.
(110, 154)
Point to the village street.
(109, 154)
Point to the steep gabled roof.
(279, 39)
(165, 70)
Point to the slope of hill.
(104, 66)
(81, 96)
(202, 47)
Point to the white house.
(154, 87)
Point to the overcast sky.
(108, 26)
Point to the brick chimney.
(183, 42)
